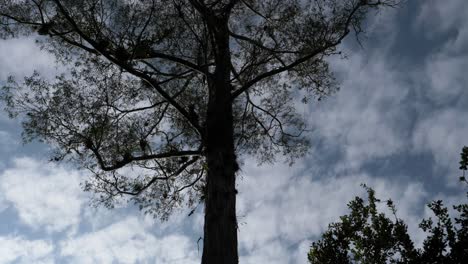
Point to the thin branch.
(154, 179)
(253, 10)
(299, 61)
(259, 44)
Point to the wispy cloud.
(43, 195)
(128, 241)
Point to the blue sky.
(397, 124)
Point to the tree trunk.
(220, 231)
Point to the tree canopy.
(159, 98)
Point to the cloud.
(44, 195)
(272, 252)
(128, 241)
(440, 16)
(21, 56)
(48, 198)
(446, 77)
(20, 250)
(366, 119)
(443, 78)
(443, 134)
(281, 209)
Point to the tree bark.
(220, 231)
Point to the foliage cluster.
(369, 236)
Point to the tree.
(366, 235)
(159, 98)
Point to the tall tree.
(158, 97)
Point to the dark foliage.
(366, 235)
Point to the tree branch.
(131, 70)
(128, 159)
(154, 179)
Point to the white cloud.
(129, 241)
(48, 197)
(366, 119)
(443, 134)
(272, 252)
(20, 250)
(44, 195)
(21, 56)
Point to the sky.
(398, 125)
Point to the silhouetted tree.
(366, 235)
(177, 89)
